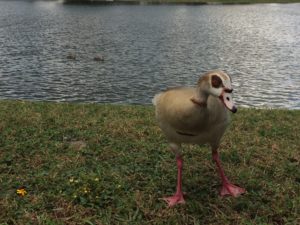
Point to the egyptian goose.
(71, 55)
(98, 58)
(197, 115)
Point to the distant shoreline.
(175, 2)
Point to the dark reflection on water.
(146, 49)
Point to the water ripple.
(146, 49)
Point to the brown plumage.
(197, 115)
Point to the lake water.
(146, 49)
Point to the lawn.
(109, 164)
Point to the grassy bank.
(105, 164)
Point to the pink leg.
(227, 187)
(177, 198)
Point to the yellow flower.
(22, 192)
(86, 190)
(96, 179)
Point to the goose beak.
(226, 98)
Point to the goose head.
(218, 84)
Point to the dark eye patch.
(216, 81)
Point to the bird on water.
(197, 115)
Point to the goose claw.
(231, 189)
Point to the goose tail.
(155, 99)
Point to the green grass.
(109, 164)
